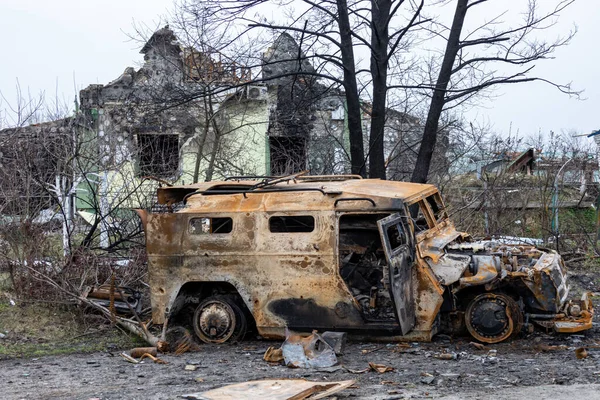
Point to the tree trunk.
(438, 100)
(215, 147)
(201, 141)
(380, 11)
(357, 153)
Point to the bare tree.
(328, 33)
(538, 187)
(473, 62)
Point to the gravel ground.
(537, 367)
(528, 366)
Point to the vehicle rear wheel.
(218, 319)
(493, 317)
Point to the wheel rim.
(214, 321)
(489, 318)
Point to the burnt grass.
(472, 372)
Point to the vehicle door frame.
(400, 269)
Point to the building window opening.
(288, 155)
(158, 154)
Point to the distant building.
(155, 121)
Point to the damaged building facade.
(187, 116)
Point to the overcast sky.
(73, 43)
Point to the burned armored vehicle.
(376, 259)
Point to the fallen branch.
(578, 259)
(136, 327)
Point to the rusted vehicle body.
(376, 259)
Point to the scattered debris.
(140, 351)
(155, 359)
(337, 341)
(479, 346)
(581, 353)
(447, 356)
(545, 348)
(190, 367)
(335, 368)
(129, 358)
(374, 349)
(358, 371)
(308, 352)
(273, 355)
(380, 368)
(280, 389)
(427, 378)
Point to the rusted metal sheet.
(450, 267)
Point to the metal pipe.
(354, 199)
(545, 316)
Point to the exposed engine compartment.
(528, 281)
(539, 276)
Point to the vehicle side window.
(396, 236)
(418, 216)
(437, 207)
(206, 225)
(296, 223)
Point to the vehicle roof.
(306, 192)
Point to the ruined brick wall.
(305, 109)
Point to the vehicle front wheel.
(493, 317)
(218, 319)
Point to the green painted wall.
(243, 150)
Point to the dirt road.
(537, 367)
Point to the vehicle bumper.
(571, 324)
(566, 322)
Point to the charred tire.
(493, 317)
(218, 319)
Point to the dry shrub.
(32, 255)
(27, 248)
